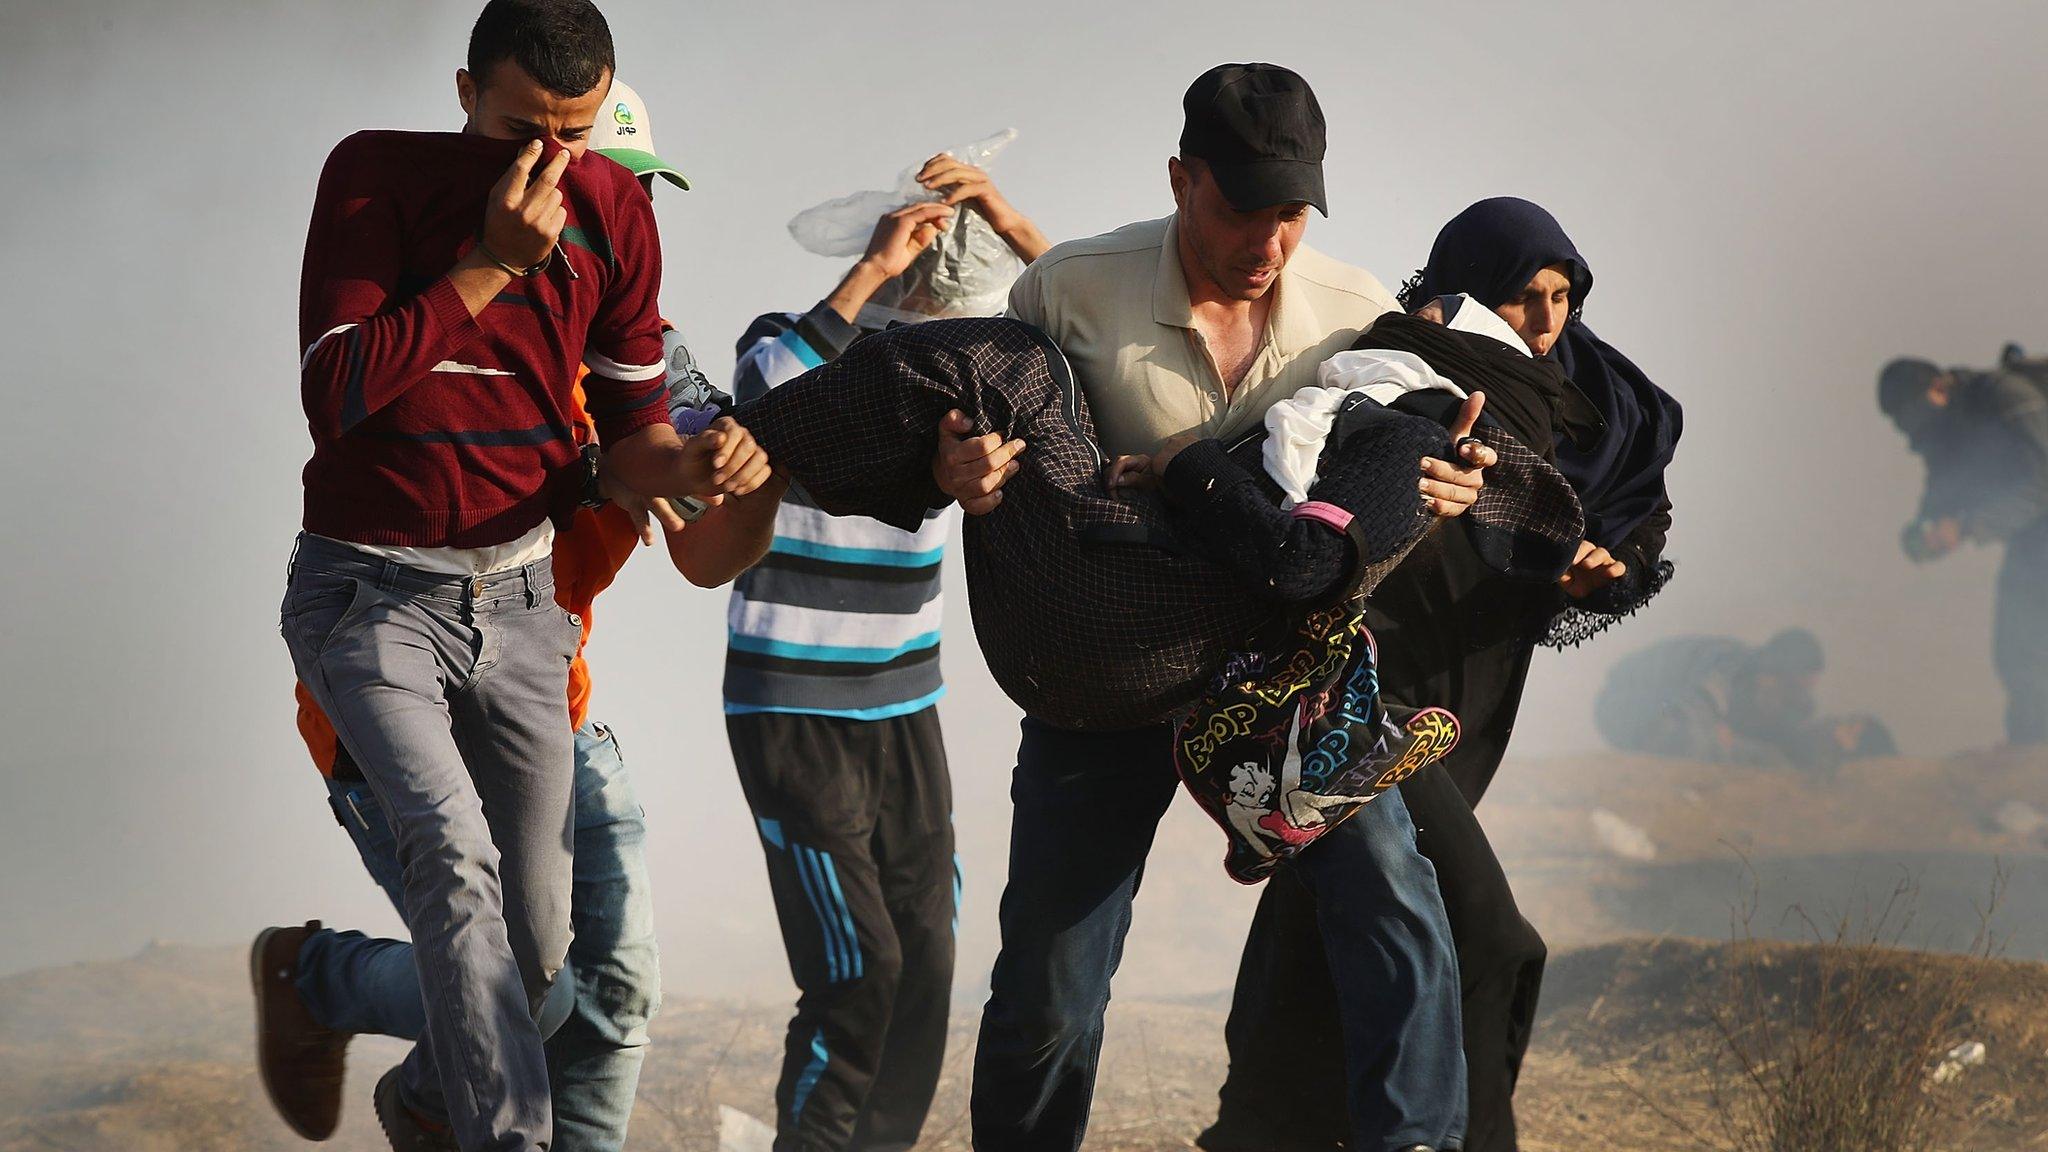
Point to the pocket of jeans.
(316, 606)
(356, 810)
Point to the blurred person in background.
(1983, 435)
(1716, 700)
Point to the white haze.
(1775, 197)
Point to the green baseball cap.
(623, 135)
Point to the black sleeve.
(1645, 546)
(1220, 509)
(1642, 551)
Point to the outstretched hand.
(1447, 488)
(1592, 569)
(1926, 540)
(724, 460)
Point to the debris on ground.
(1968, 1054)
(1622, 838)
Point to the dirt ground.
(153, 1054)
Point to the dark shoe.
(300, 1061)
(402, 1127)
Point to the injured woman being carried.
(1217, 586)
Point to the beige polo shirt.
(1117, 305)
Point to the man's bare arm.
(897, 240)
(730, 538)
(522, 222)
(963, 183)
(722, 460)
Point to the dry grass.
(1834, 1051)
(1623, 1023)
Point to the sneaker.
(403, 1127)
(300, 1061)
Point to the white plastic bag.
(967, 271)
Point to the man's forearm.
(650, 462)
(730, 538)
(855, 289)
(478, 281)
(369, 357)
(1026, 240)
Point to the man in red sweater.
(452, 284)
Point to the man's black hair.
(1902, 389)
(564, 44)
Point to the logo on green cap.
(621, 113)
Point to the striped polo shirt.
(841, 618)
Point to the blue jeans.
(1086, 807)
(1388, 941)
(357, 984)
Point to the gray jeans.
(451, 694)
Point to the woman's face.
(1539, 310)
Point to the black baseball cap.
(1260, 130)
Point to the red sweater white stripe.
(433, 428)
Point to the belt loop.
(291, 566)
(387, 580)
(532, 594)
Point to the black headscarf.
(1491, 251)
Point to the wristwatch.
(593, 483)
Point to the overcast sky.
(1775, 198)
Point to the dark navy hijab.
(1491, 251)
